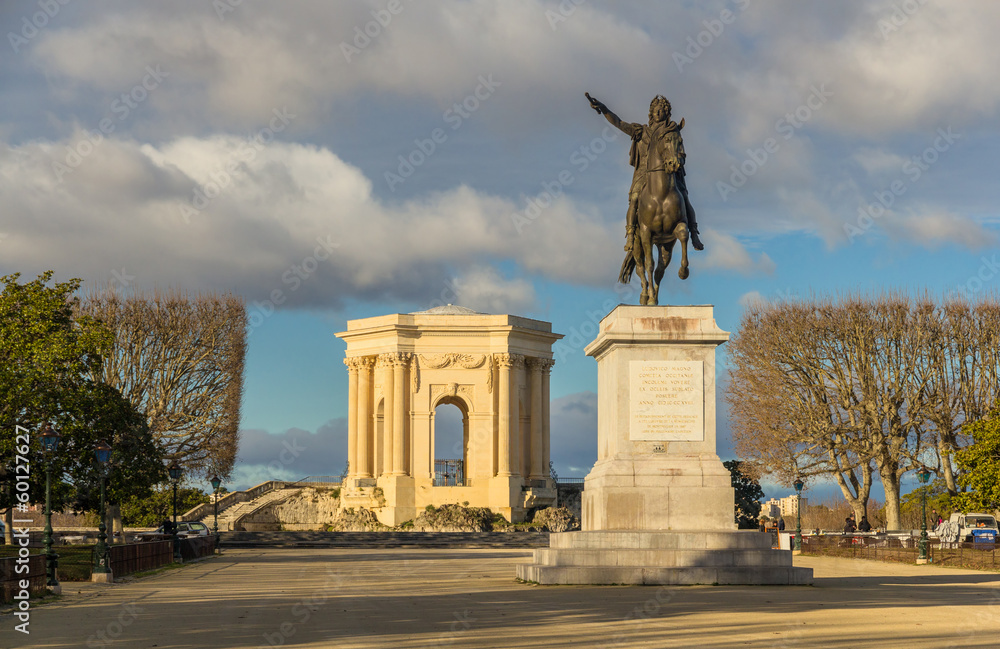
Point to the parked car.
(184, 529)
(975, 527)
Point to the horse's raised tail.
(625, 275)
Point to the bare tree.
(179, 360)
(853, 385)
(963, 362)
(786, 414)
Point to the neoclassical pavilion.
(494, 368)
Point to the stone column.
(388, 410)
(352, 416)
(503, 362)
(400, 362)
(516, 443)
(546, 433)
(364, 417)
(535, 446)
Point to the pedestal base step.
(644, 576)
(663, 557)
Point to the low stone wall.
(309, 509)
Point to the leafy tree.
(938, 498)
(980, 465)
(45, 355)
(103, 414)
(747, 496)
(150, 511)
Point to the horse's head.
(662, 152)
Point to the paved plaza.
(407, 598)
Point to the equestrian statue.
(659, 210)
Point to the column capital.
(543, 364)
(509, 360)
(355, 363)
(401, 359)
(383, 361)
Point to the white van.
(975, 527)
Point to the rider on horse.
(641, 134)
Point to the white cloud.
(228, 75)
(724, 251)
(483, 289)
(277, 217)
(885, 80)
(231, 72)
(289, 455)
(878, 161)
(574, 434)
(932, 228)
(751, 297)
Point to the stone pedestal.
(657, 468)
(658, 504)
(398, 492)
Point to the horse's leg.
(638, 250)
(661, 265)
(647, 251)
(682, 234)
(666, 252)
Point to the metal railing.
(317, 479)
(137, 557)
(449, 473)
(10, 580)
(234, 498)
(902, 549)
(207, 509)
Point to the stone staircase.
(509, 540)
(232, 514)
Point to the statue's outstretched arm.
(625, 127)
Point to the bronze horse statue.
(662, 215)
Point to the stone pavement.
(406, 598)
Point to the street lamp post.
(798, 514)
(102, 571)
(50, 443)
(215, 499)
(175, 475)
(923, 475)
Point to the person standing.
(849, 526)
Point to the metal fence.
(966, 555)
(10, 579)
(879, 547)
(449, 473)
(137, 557)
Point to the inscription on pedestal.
(666, 401)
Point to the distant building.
(790, 506)
(771, 508)
(782, 507)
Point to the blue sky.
(326, 174)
